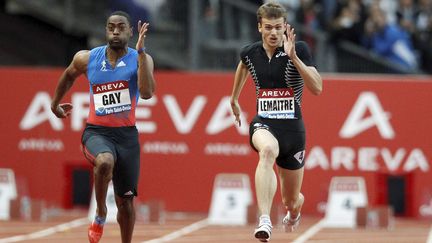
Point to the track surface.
(181, 227)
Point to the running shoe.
(95, 232)
(264, 229)
(289, 223)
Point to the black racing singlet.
(278, 84)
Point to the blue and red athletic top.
(113, 90)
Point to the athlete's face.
(272, 31)
(118, 32)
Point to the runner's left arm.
(146, 82)
(309, 74)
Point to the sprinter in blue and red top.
(280, 68)
(118, 75)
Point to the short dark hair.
(121, 13)
(271, 10)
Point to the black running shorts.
(123, 144)
(290, 135)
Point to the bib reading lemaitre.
(278, 84)
(113, 90)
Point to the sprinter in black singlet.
(280, 68)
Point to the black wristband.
(141, 50)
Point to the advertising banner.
(377, 127)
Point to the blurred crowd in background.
(399, 30)
(354, 36)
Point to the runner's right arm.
(239, 81)
(77, 67)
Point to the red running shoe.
(95, 232)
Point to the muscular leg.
(291, 182)
(265, 178)
(103, 171)
(125, 217)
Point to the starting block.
(8, 192)
(375, 217)
(230, 200)
(277, 214)
(153, 211)
(346, 194)
(110, 203)
(25, 208)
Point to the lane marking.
(429, 239)
(181, 232)
(46, 232)
(310, 232)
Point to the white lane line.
(310, 232)
(179, 233)
(429, 239)
(46, 232)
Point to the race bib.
(276, 103)
(111, 98)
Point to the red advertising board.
(370, 126)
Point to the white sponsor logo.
(103, 66)
(356, 123)
(162, 147)
(222, 119)
(281, 54)
(110, 86)
(39, 112)
(426, 209)
(300, 156)
(227, 149)
(367, 159)
(277, 93)
(121, 64)
(184, 122)
(40, 144)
